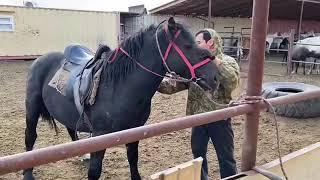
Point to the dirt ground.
(156, 153)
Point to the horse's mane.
(122, 64)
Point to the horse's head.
(185, 58)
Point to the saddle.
(79, 75)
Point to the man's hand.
(217, 61)
(169, 86)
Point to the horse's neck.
(151, 60)
(141, 82)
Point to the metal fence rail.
(55, 153)
(305, 62)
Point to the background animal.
(308, 48)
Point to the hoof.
(28, 176)
(137, 177)
(85, 158)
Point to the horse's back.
(43, 64)
(42, 68)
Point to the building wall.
(39, 30)
(134, 24)
(286, 25)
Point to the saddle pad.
(86, 92)
(59, 81)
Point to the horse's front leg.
(96, 159)
(297, 67)
(95, 166)
(294, 65)
(132, 154)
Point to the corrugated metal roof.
(279, 9)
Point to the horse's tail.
(36, 79)
(45, 115)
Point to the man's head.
(210, 39)
(204, 40)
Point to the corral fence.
(240, 50)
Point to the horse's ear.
(172, 26)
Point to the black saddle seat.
(78, 54)
(79, 74)
(83, 66)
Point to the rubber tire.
(304, 109)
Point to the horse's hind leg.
(74, 137)
(72, 134)
(33, 110)
(132, 154)
(318, 68)
(285, 57)
(310, 67)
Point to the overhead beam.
(310, 1)
(201, 8)
(233, 6)
(165, 6)
(210, 12)
(241, 11)
(240, 8)
(300, 20)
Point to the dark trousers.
(221, 135)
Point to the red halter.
(184, 58)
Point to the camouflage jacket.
(200, 101)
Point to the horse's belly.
(60, 108)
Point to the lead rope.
(254, 100)
(278, 140)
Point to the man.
(220, 133)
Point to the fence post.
(289, 58)
(259, 25)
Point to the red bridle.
(171, 46)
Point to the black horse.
(303, 51)
(284, 45)
(130, 77)
(300, 53)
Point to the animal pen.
(237, 45)
(291, 38)
(46, 155)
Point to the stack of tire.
(304, 109)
